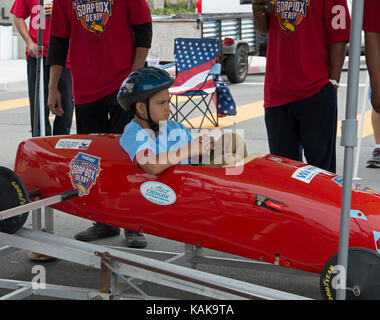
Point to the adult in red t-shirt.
(108, 39)
(371, 27)
(23, 9)
(306, 51)
(198, 6)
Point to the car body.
(270, 209)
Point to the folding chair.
(196, 68)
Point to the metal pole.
(39, 105)
(349, 138)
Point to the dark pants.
(309, 125)
(61, 124)
(102, 116)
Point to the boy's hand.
(202, 145)
(212, 143)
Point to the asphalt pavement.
(15, 127)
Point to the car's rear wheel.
(13, 193)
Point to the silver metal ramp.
(118, 266)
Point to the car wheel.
(362, 276)
(13, 193)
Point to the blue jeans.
(308, 125)
(61, 124)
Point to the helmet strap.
(154, 126)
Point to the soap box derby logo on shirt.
(84, 169)
(290, 13)
(93, 15)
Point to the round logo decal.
(158, 193)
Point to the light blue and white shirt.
(136, 141)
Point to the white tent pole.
(42, 99)
(39, 103)
(349, 140)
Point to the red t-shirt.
(198, 6)
(102, 43)
(29, 8)
(300, 34)
(371, 17)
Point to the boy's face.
(160, 107)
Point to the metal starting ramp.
(121, 271)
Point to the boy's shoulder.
(175, 125)
(132, 126)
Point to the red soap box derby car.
(274, 210)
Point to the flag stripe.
(194, 83)
(183, 76)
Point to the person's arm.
(60, 33)
(24, 32)
(337, 55)
(54, 97)
(56, 59)
(139, 59)
(260, 17)
(154, 164)
(143, 41)
(372, 49)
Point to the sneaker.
(135, 239)
(374, 161)
(97, 231)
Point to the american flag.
(223, 99)
(194, 58)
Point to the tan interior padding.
(247, 159)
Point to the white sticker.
(158, 193)
(77, 144)
(306, 173)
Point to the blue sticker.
(357, 214)
(84, 170)
(158, 193)
(376, 235)
(355, 187)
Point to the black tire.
(362, 277)
(236, 66)
(13, 193)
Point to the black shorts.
(309, 125)
(102, 116)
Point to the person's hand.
(212, 143)
(259, 7)
(54, 102)
(201, 145)
(48, 8)
(32, 47)
(206, 144)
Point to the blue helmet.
(141, 84)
